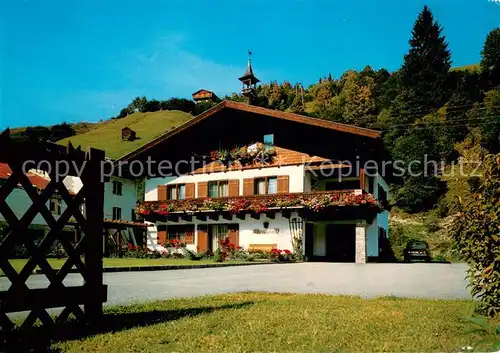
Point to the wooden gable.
(231, 124)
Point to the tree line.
(143, 105)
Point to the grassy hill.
(471, 67)
(107, 135)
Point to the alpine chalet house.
(266, 179)
(204, 95)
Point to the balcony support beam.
(201, 217)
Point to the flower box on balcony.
(314, 201)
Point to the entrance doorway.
(341, 242)
(331, 242)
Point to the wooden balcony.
(203, 208)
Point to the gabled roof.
(200, 90)
(325, 124)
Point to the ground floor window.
(219, 232)
(179, 232)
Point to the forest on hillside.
(424, 108)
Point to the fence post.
(94, 212)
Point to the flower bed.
(315, 201)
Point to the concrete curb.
(165, 267)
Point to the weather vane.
(249, 54)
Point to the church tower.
(249, 81)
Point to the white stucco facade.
(295, 174)
(126, 201)
(251, 231)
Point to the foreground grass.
(281, 322)
(117, 262)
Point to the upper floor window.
(269, 140)
(55, 205)
(117, 213)
(266, 185)
(382, 195)
(176, 192)
(117, 187)
(218, 188)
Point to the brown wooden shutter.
(162, 237)
(234, 187)
(283, 184)
(190, 191)
(362, 178)
(233, 234)
(202, 239)
(162, 192)
(248, 186)
(203, 189)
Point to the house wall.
(381, 220)
(295, 173)
(126, 201)
(282, 239)
(299, 182)
(19, 202)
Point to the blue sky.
(85, 60)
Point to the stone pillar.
(361, 242)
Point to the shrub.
(191, 255)
(259, 254)
(137, 252)
(278, 255)
(432, 224)
(476, 230)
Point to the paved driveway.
(370, 280)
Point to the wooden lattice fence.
(84, 253)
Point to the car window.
(418, 245)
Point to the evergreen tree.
(490, 57)
(425, 70)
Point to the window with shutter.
(182, 233)
(248, 186)
(218, 188)
(176, 191)
(233, 234)
(234, 187)
(283, 184)
(266, 185)
(162, 192)
(203, 189)
(190, 191)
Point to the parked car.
(417, 250)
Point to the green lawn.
(116, 262)
(107, 136)
(280, 323)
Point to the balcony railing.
(314, 201)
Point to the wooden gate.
(84, 253)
